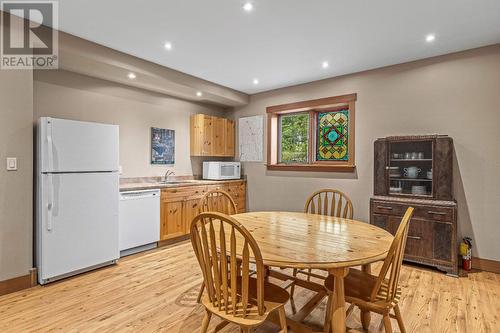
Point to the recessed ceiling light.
(248, 6)
(430, 38)
(255, 81)
(168, 45)
(199, 93)
(325, 64)
(131, 76)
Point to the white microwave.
(221, 170)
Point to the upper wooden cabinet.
(211, 136)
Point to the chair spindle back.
(329, 202)
(223, 248)
(393, 261)
(217, 201)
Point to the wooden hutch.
(417, 171)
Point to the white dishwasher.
(139, 221)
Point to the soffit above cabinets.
(87, 58)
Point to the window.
(312, 135)
(294, 138)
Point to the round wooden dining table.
(302, 241)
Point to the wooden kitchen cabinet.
(191, 209)
(229, 138)
(219, 136)
(211, 136)
(172, 222)
(179, 206)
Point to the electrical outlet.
(11, 163)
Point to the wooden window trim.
(311, 106)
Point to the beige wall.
(68, 95)
(457, 95)
(16, 187)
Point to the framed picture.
(162, 146)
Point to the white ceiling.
(281, 42)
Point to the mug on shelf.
(407, 156)
(421, 156)
(414, 155)
(411, 172)
(429, 174)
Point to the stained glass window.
(332, 142)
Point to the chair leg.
(292, 305)
(365, 318)
(200, 293)
(387, 323)
(266, 273)
(328, 314)
(221, 326)
(292, 290)
(399, 319)
(309, 276)
(282, 314)
(206, 321)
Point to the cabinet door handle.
(385, 207)
(436, 213)
(174, 211)
(415, 237)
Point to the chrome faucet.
(168, 174)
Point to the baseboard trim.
(18, 283)
(486, 265)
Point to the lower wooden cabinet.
(432, 235)
(172, 221)
(190, 210)
(179, 206)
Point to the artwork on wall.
(251, 138)
(162, 146)
(332, 142)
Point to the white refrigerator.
(77, 197)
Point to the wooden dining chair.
(325, 202)
(215, 201)
(223, 248)
(329, 202)
(380, 293)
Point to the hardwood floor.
(156, 292)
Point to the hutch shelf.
(417, 171)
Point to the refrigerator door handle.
(50, 203)
(50, 148)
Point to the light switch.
(11, 163)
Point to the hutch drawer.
(424, 212)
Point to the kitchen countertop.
(154, 184)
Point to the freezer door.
(77, 146)
(77, 222)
